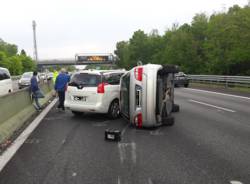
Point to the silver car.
(147, 95)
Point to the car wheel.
(168, 121)
(185, 85)
(114, 110)
(175, 108)
(76, 113)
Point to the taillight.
(138, 120)
(138, 73)
(100, 87)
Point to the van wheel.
(114, 110)
(76, 113)
(185, 85)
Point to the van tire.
(185, 85)
(175, 108)
(77, 113)
(114, 110)
(168, 121)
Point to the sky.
(67, 27)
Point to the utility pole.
(34, 40)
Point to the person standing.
(35, 91)
(60, 87)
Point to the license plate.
(80, 98)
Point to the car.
(5, 82)
(25, 80)
(94, 91)
(42, 76)
(49, 76)
(181, 79)
(147, 95)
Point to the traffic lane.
(202, 147)
(64, 149)
(238, 106)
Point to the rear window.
(4, 74)
(85, 80)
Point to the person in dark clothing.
(60, 87)
(35, 91)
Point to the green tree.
(27, 63)
(15, 67)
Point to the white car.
(94, 91)
(5, 82)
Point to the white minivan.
(5, 82)
(94, 91)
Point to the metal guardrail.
(16, 77)
(221, 79)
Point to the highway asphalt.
(209, 144)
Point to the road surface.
(209, 144)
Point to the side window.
(6, 75)
(1, 75)
(113, 79)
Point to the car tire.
(185, 85)
(168, 121)
(114, 110)
(77, 113)
(175, 108)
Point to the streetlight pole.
(34, 40)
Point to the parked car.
(181, 79)
(25, 80)
(42, 76)
(49, 76)
(94, 91)
(5, 81)
(147, 95)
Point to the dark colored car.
(181, 79)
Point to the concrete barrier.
(16, 108)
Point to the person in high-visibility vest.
(55, 74)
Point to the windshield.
(27, 75)
(85, 79)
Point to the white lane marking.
(217, 93)
(124, 129)
(74, 174)
(133, 152)
(63, 141)
(118, 180)
(210, 105)
(235, 182)
(122, 155)
(10, 152)
(122, 147)
(150, 181)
